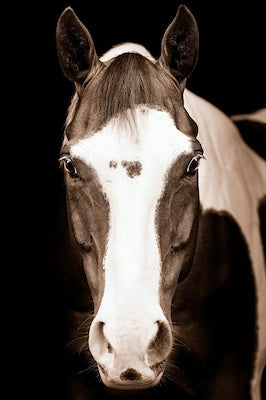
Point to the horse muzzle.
(130, 359)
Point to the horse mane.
(124, 82)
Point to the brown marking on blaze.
(133, 168)
(113, 164)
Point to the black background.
(230, 73)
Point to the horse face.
(133, 206)
(132, 196)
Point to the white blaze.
(132, 260)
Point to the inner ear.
(180, 45)
(75, 47)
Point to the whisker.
(83, 347)
(92, 366)
(87, 320)
(163, 380)
(75, 340)
(179, 343)
(170, 364)
(84, 370)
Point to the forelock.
(123, 83)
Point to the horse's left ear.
(180, 44)
(75, 47)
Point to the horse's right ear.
(75, 47)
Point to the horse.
(165, 205)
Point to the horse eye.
(193, 165)
(69, 167)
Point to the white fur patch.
(126, 48)
(132, 262)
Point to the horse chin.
(129, 385)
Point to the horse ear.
(75, 47)
(180, 44)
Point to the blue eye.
(69, 166)
(193, 165)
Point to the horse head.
(131, 156)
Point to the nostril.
(161, 344)
(109, 348)
(130, 375)
(98, 342)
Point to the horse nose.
(154, 349)
(130, 375)
(130, 354)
